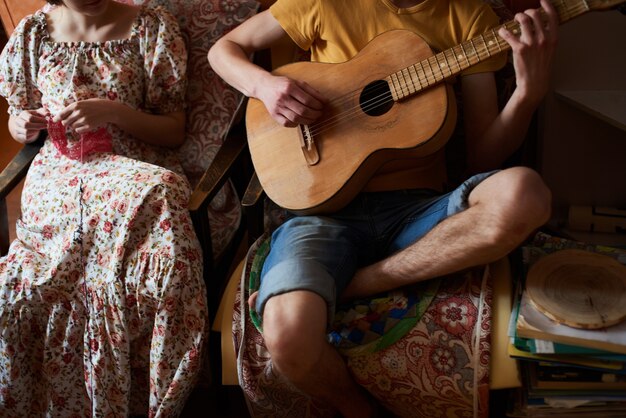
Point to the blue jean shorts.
(321, 253)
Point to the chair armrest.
(15, 171)
(254, 192)
(218, 172)
(253, 208)
(12, 174)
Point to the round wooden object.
(579, 288)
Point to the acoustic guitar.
(390, 101)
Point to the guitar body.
(353, 140)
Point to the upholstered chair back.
(211, 103)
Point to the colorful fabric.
(102, 302)
(370, 325)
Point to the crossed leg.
(503, 210)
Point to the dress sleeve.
(19, 66)
(165, 63)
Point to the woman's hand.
(533, 50)
(26, 126)
(86, 115)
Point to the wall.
(582, 158)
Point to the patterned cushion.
(439, 368)
(211, 102)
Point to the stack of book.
(567, 371)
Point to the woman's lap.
(134, 242)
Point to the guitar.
(388, 102)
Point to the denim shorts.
(321, 253)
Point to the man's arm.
(493, 136)
(290, 102)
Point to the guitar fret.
(398, 86)
(442, 65)
(496, 39)
(392, 87)
(429, 72)
(423, 76)
(415, 78)
(402, 83)
(448, 66)
(464, 54)
(440, 68)
(453, 63)
(486, 48)
(469, 55)
(408, 80)
(434, 68)
(471, 42)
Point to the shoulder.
(157, 16)
(31, 25)
(298, 6)
(471, 8)
(472, 16)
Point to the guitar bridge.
(307, 143)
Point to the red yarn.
(98, 140)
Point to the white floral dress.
(102, 303)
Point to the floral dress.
(102, 303)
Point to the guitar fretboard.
(451, 62)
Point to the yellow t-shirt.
(336, 30)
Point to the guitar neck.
(451, 62)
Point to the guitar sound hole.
(375, 99)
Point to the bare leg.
(504, 210)
(252, 300)
(294, 329)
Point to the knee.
(533, 197)
(294, 339)
(524, 203)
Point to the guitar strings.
(428, 74)
(425, 79)
(383, 93)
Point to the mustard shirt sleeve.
(300, 19)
